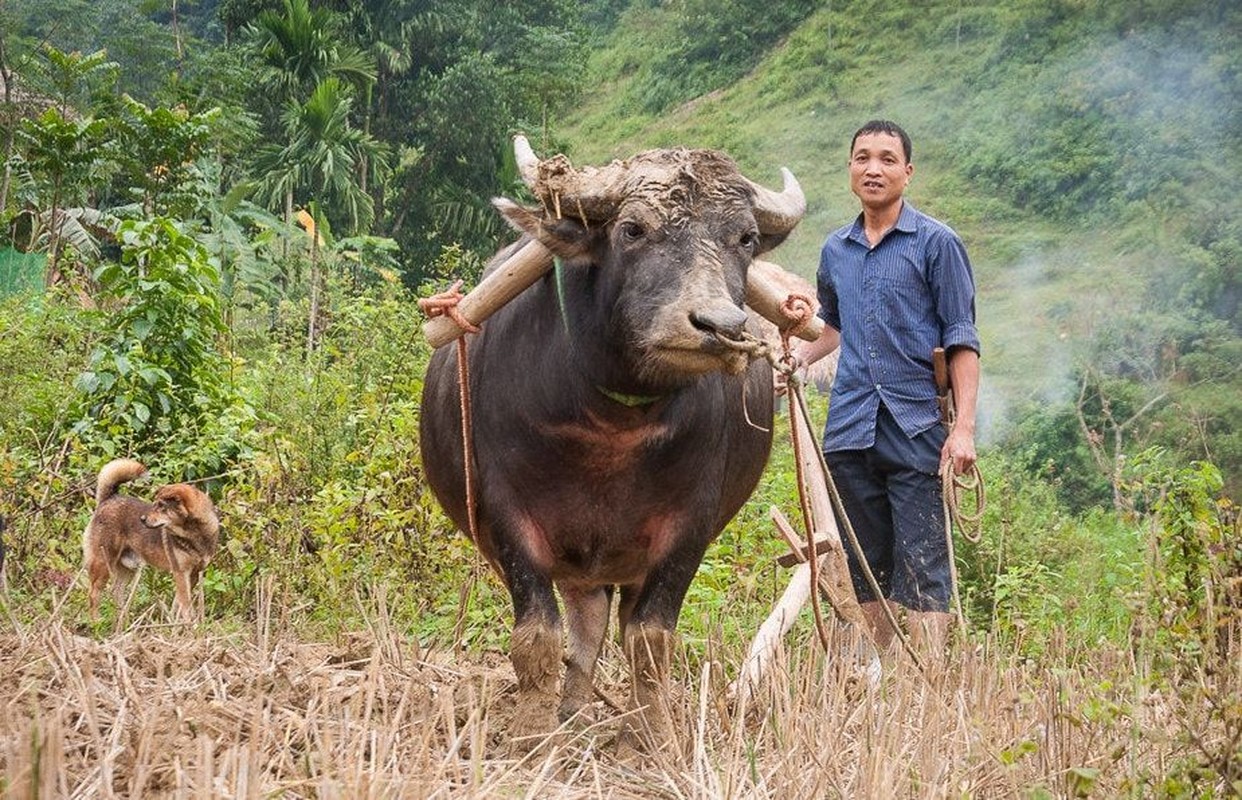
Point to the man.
(893, 285)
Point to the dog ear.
(170, 498)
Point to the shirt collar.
(907, 222)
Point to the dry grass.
(166, 710)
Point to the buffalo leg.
(586, 618)
(650, 650)
(650, 617)
(535, 649)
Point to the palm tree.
(300, 47)
(321, 162)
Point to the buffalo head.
(669, 235)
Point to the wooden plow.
(830, 570)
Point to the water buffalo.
(617, 427)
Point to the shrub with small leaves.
(159, 374)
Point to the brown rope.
(953, 487)
(799, 310)
(445, 304)
(467, 437)
(968, 524)
(793, 396)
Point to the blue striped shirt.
(893, 304)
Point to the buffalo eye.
(749, 240)
(632, 231)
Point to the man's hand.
(804, 354)
(960, 447)
(964, 378)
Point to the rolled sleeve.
(953, 284)
(961, 334)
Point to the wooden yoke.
(521, 270)
(766, 295)
(527, 265)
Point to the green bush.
(158, 381)
(1040, 568)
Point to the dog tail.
(113, 474)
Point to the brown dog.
(178, 533)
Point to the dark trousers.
(892, 495)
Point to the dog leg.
(98, 576)
(122, 582)
(184, 595)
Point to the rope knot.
(444, 304)
(799, 310)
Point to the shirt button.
(878, 387)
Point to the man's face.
(878, 169)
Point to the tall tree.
(72, 78)
(320, 162)
(302, 46)
(59, 160)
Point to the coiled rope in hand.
(969, 523)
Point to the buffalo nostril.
(727, 321)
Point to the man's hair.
(884, 126)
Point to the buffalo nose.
(727, 321)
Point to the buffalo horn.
(527, 161)
(778, 213)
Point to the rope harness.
(954, 487)
(445, 303)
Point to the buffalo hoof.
(649, 724)
(536, 657)
(578, 694)
(526, 735)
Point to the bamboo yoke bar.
(530, 263)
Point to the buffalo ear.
(567, 238)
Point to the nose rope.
(797, 310)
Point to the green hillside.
(1086, 151)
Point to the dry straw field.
(158, 709)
